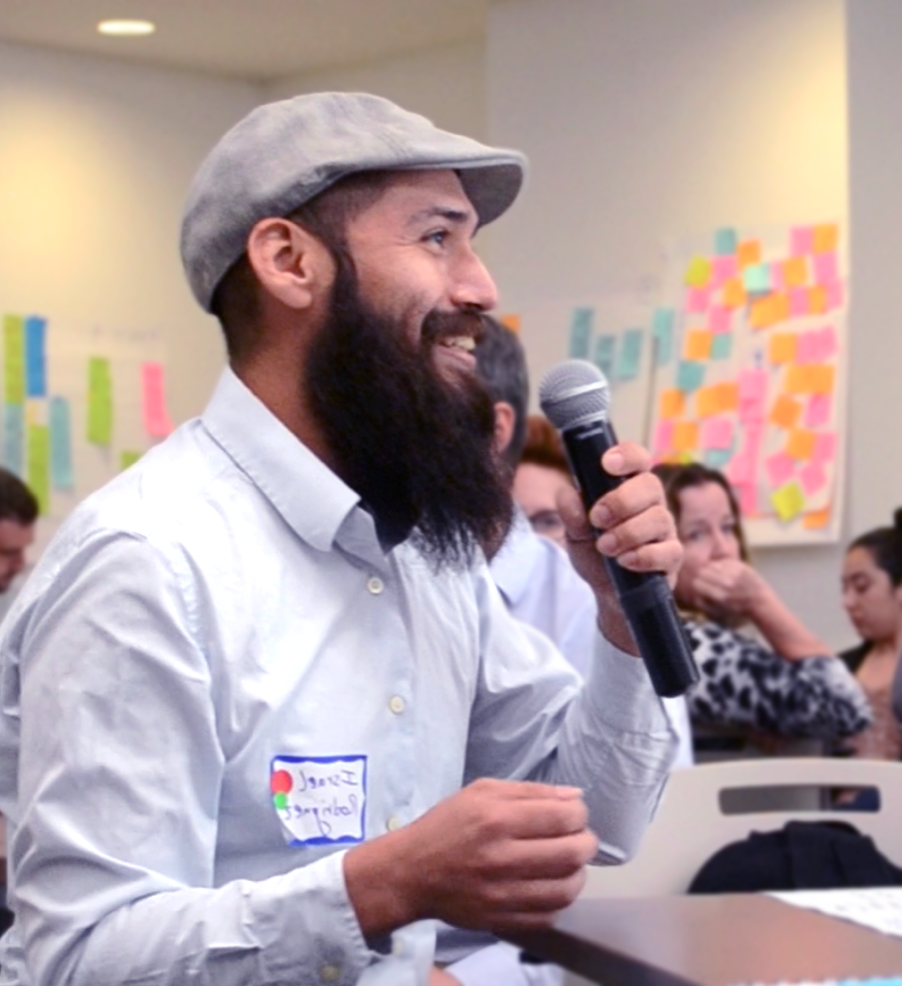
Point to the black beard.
(417, 448)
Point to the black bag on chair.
(800, 856)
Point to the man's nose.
(473, 285)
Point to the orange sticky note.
(511, 322)
(707, 401)
(671, 404)
(795, 272)
(685, 436)
(733, 293)
(817, 299)
(822, 378)
(799, 378)
(816, 519)
(800, 444)
(697, 345)
(761, 314)
(779, 310)
(728, 396)
(748, 252)
(825, 238)
(781, 348)
(785, 412)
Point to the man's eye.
(437, 237)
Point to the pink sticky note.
(824, 447)
(779, 468)
(801, 240)
(753, 410)
(723, 269)
(826, 268)
(836, 295)
(813, 476)
(664, 436)
(748, 499)
(753, 435)
(808, 347)
(752, 385)
(721, 319)
(697, 300)
(798, 301)
(740, 470)
(717, 433)
(777, 281)
(817, 413)
(156, 420)
(827, 347)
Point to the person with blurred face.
(761, 668)
(542, 472)
(18, 516)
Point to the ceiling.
(256, 40)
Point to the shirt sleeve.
(745, 684)
(532, 720)
(119, 778)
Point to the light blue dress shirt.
(216, 681)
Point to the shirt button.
(396, 704)
(393, 823)
(374, 585)
(330, 973)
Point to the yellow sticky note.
(697, 345)
(795, 272)
(788, 501)
(698, 273)
(685, 436)
(817, 299)
(671, 403)
(733, 293)
(823, 376)
(511, 322)
(748, 252)
(728, 396)
(785, 412)
(825, 238)
(781, 348)
(817, 519)
(707, 401)
(800, 444)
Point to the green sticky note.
(725, 242)
(721, 346)
(690, 376)
(603, 357)
(14, 358)
(698, 273)
(581, 332)
(756, 278)
(128, 457)
(662, 333)
(630, 354)
(100, 401)
(788, 500)
(38, 468)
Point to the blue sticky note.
(630, 355)
(60, 445)
(721, 345)
(603, 357)
(690, 375)
(581, 332)
(14, 438)
(756, 277)
(35, 358)
(717, 458)
(662, 333)
(725, 242)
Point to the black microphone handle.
(645, 597)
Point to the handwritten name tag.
(320, 800)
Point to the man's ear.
(505, 419)
(291, 264)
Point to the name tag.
(320, 800)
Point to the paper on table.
(879, 908)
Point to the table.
(720, 940)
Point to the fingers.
(536, 903)
(525, 790)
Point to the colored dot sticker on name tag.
(320, 801)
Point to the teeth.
(465, 343)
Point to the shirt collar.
(513, 564)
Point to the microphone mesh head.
(573, 392)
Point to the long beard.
(417, 448)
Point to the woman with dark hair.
(872, 597)
(761, 667)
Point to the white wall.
(652, 118)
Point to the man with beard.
(265, 717)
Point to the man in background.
(18, 515)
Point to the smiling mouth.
(465, 343)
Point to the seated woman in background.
(542, 471)
(872, 597)
(789, 685)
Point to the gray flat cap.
(283, 154)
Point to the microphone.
(574, 397)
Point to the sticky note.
(801, 240)
(785, 412)
(603, 356)
(100, 401)
(748, 252)
(725, 242)
(581, 324)
(824, 446)
(817, 299)
(128, 457)
(733, 293)
(721, 346)
(717, 433)
(61, 475)
(156, 419)
(671, 403)
(14, 438)
(751, 411)
(800, 443)
(795, 272)
(697, 344)
(779, 468)
(781, 348)
(663, 441)
(779, 309)
(825, 238)
(752, 385)
(799, 379)
(813, 478)
(707, 401)
(817, 519)
(823, 376)
(756, 278)
(826, 268)
(685, 436)
(723, 269)
(35, 358)
(697, 300)
(788, 501)
(38, 472)
(717, 458)
(728, 395)
(662, 333)
(14, 359)
(827, 346)
(741, 469)
(747, 494)
(808, 347)
(690, 375)
(698, 273)
(836, 295)
(761, 313)
(720, 319)
(798, 301)
(817, 413)
(777, 282)
(510, 321)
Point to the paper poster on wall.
(754, 379)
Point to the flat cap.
(283, 154)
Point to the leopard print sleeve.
(745, 684)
